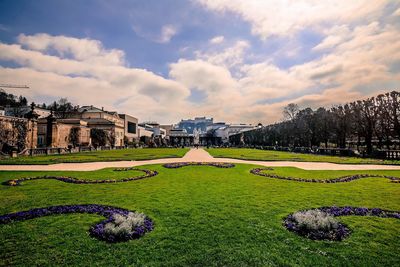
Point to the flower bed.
(114, 216)
(147, 174)
(259, 171)
(320, 224)
(184, 164)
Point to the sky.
(239, 61)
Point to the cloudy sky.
(234, 60)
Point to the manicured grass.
(321, 174)
(270, 155)
(203, 216)
(106, 155)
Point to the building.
(167, 128)
(108, 121)
(155, 128)
(131, 128)
(17, 134)
(198, 123)
(223, 131)
(180, 137)
(62, 133)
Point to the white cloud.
(217, 40)
(201, 75)
(355, 62)
(167, 32)
(88, 50)
(163, 35)
(86, 78)
(277, 17)
(265, 81)
(229, 57)
(335, 36)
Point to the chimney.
(102, 108)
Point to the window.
(131, 127)
(40, 140)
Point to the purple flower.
(147, 174)
(96, 230)
(183, 164)
(342, 231)
(259, 171)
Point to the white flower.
(124, 224)
(315, 220)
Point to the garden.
(272, 155)
(200, 214)
(104, 155)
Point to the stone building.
(108, 121)
(54, 132)
(17, 134)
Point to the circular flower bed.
(184, 164)
(348, 178)
(320, 224)
(119, 225)
(66, 179)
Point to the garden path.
(196, 155)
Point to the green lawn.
(203, 216)
(270, 155)
(106, 155)
(321, 174)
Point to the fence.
(58, 151)
(342, 152)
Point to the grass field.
(203, 216)
(270, 155)
(106, 155)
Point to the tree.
(74, 136)
(99, 137)
(342, 118)
(111, 138)
(11, 100)
(290, 111)
(62, 108)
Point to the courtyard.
(201, 214)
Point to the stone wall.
(17, 132)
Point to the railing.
(342, 152)
(387, 154)
(58, 150)
(393, 154)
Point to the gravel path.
(195, 155)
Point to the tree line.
(10, 100)
(363, 124)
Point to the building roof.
(100, 121)
(95, 109)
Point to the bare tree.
(290, 111)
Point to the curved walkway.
(194, 155)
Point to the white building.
(223, 130)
